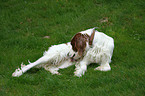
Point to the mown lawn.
(24, 23)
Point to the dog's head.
(81, 43)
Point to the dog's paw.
(79, 72)
(103, 68)
(56, 73)
(18, 72)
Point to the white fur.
(54, 59)
(100, 52)
(58, 56)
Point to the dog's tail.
(92, 36)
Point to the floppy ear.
(81, 48)
(73, 43)
(92, 37)
(80, 52)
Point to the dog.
(86, 47)
(57, 57)
(94, 47)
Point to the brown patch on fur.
(91, 38)
(78, 43)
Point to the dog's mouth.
(72, 58)
(75, 60)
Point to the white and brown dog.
(94, 47)
(86, 47)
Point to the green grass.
(24, 23)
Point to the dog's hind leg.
(65, 64)
(43, 60)
(103, 67)
(104, 64)
(54, 68)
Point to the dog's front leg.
(81, 68)
(18, 72)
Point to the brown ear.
(80, 52)
(92, 37)
(74, 41)
(78, 43)
(82, 45)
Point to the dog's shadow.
(34, 70)
(93, 65)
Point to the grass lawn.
(24, 23)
